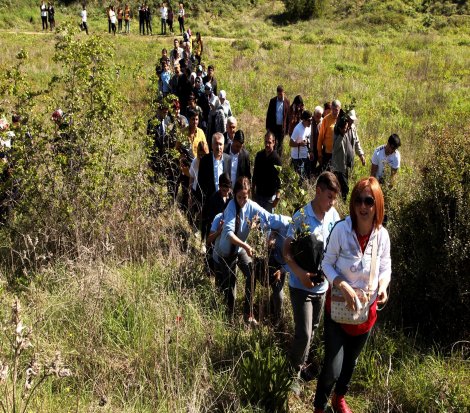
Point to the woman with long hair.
(295, 113)
(357, 246)
(232, 249)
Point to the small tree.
(305, 9)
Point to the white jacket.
(343, 256)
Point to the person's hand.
(248, 250)
(275, 202)
(277, 275)
(306, 281)
(221, 225)
(363, 160)
(349, 295)
(382, 295)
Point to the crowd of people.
(198, 149)
(227, 199)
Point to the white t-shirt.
(381, 160)
(193, 171)
(43, 10)
(83, 14)
(300, 134)
(163, 13)
(112, 17)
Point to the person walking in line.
(83, 15)
(120, 15)
(325, 135)
(108, 12)
(148, 20)
(170, 19)
(386, 155)
(181, 17)
(307, 288)
(112, 19)
(198, 48)
(347, 264)
(277, 118)
(43, 9)
(163, 17)
(127, 18)
(51, 16)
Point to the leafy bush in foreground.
(431, 243)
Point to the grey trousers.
(307, 309)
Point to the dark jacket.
(265, 175)
(205, 176)
(244, 166)
(271, 115)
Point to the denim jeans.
(301, 167)
(341, 353)
(307, 309)
(163, 26)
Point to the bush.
(430, 242)
(305, 9)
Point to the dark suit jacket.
(205, 177)
(244, 166)
(271, 115)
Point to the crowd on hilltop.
(326, 259)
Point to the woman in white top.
(347, 264)
(181, 18)
(112, 19)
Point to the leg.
(277, 297)
(343, 181)
(227, 267)
(334, 338)
(352, 348)
(246, 267)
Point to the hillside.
(108, 271)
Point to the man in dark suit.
(212, 166)
(239, 157)
(277, 118)
(229, 133)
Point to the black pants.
(44, 22)
(278, 133)
(142, 26)
(109, 25)
(343, 181)
(85, 27)
(120, 25)
(181, 22)
(148, 25)
(113, 28)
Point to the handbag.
(343, 315)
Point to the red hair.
(378, 195)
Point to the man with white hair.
(225, 105)
(325, 135)
(216, 120)
(229, 133)
(315, 130)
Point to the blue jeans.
(341, 353)
(307, 309)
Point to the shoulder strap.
(373, 262)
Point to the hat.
(222, 94)
(352, 115)
(208, 86)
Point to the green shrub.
(264, 378)
(245, 44)
(305, 9)
(430, 242)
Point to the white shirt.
(112, 17)
(234, 162)
(43, 10)
(163, 13)
(300, 134)
(83, 14)
(180, 12)
(218, 170)
(193, 171)
(381, 160)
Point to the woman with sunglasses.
(347, 265)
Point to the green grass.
(146, 330)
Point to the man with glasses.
(299, 144)
(386, 155)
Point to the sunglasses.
(366, 200)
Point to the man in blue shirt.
(307, 290)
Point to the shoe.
(339, 405)
(308, 373)
(251, 320)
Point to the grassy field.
(141, 326)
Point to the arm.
(321, 137)
(373, 170)
(214, 234)
(357, 147)
(385, 268)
